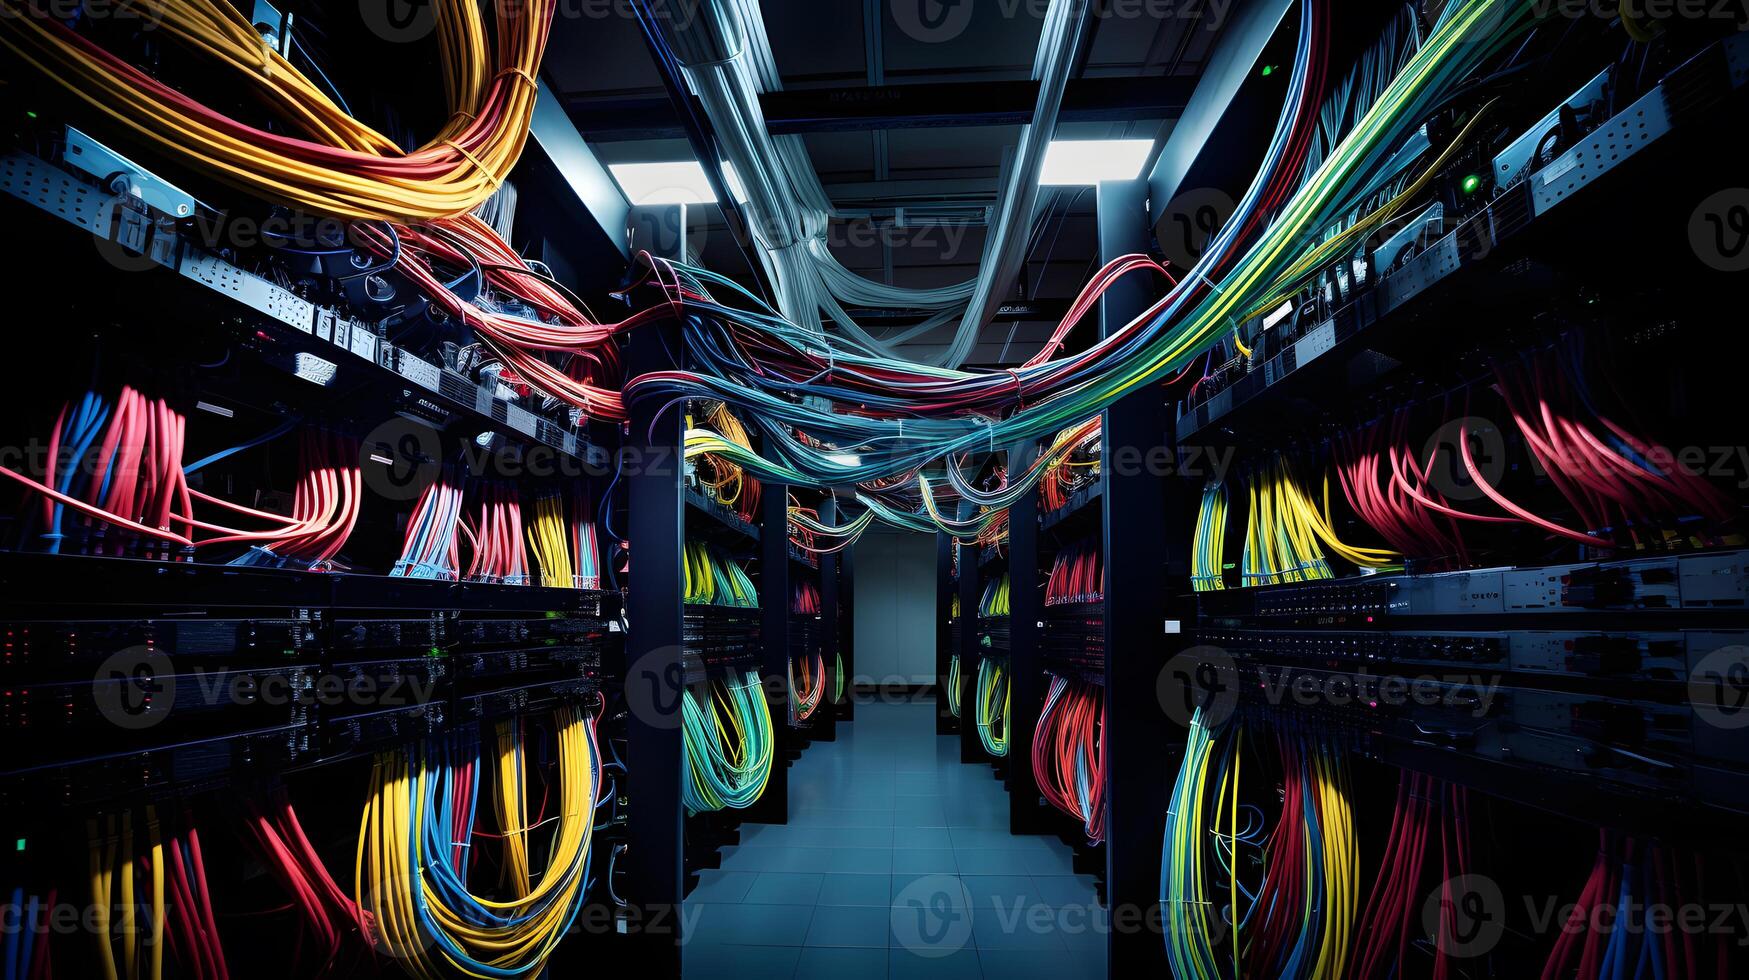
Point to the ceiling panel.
(816, 43)
(926, 39)
(841, 157)
(600, 50)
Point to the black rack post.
(971, 582)
(845, 710)
(654, 476)
(1026, 677)
(829, 640)
(944, 585)
(774, 666)
(1137, 549)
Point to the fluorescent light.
(671, 182)
(1081, 163)
(674, 182)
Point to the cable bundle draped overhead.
(728, 61)
(900, 418)
(345, 168)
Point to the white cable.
(729, 63)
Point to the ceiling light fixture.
(1082, 163)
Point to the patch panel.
(1690, 583)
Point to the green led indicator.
(1472, 184)
(21, 845)
(31, 113)
(1268, 70)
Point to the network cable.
(729, 744)
(992, 706)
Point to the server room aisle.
(897, 862)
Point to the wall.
(895, 607)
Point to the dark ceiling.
(918, 184)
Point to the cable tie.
(490, 176)
(516, 71)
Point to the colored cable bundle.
(727, 481)
(900, 418)
(1190, 905)
(120, 469)
(564, 551)
(28, 952)
(176, 912)
(1392, 925)
(500, 555)
(1311, 884)
(1393, 491)
(343, 167)
(1623, 488)
(1630, 875)
(1284, 532)
(325, 507)
(332, 923)
(715, 579)
(992, 706)
(729, 742)
(804, 599)
(431, 547)
(995, 600)
(1208, 548)
(808, 685)
(1077, 576)
(954, 683)
(129, 946)
(1070, 474)
(1068, 752)
(419, 828)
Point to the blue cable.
(81, 433)
(270, 435)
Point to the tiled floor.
(897, 862)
